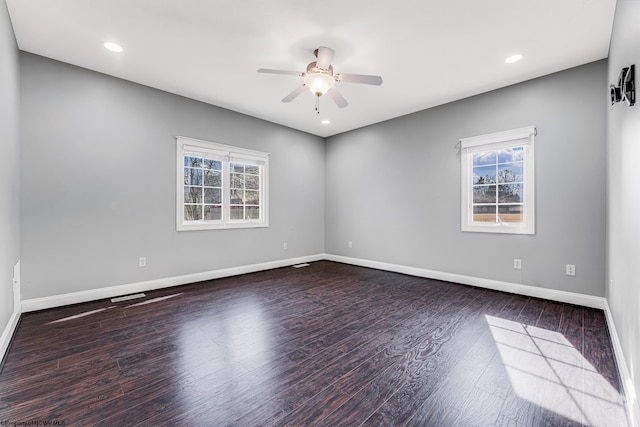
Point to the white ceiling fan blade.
(337, 97)
(287, 72)
(293, 95)
(359, 78)
(325, 56)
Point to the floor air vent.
(304, 264)
(127, 297)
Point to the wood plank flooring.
(325, 345)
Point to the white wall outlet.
(285, 246)
(350, 244)
(570, 270)
(517, 263)
(142, 261)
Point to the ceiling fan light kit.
(320, 79)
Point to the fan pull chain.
(318, 104)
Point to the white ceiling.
(428, 52)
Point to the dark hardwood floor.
(326, 345)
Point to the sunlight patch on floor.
(152, 300)
(79, 315)
(545, 369)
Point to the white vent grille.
(301, 265)
(128, 297)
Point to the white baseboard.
(7, 334)
(633, 405)
(514, 288)
(53, 301)
(35, 304)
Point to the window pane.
(192, 212)
(237, 212)
(213, 164)
(237, 180)
(192, 176)
(484, 175)
(251, 197)
(213, 195)
(253, 212)
(513, 154)
(192, 195)
(484, 213)
(212, 212)
(486, 158)
(511, 213)
(194, 162)
(212, 178)
(484, 194)
(252, 182)
(236, 167)
(510, 172)
(237, 197)
(510, 193)
(253, 170)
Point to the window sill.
(221, 226)
(500, 228)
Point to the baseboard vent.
(304, 264)
(128, 297)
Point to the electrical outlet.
(142, 261)
(285, 246)
(517, 263)
(350, 244)
(570, 270)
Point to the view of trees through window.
(220, 186)
(245, 191)
(203, 189)
(498, 184)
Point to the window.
(219, 186)
(497, 182)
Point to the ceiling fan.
(320, 79)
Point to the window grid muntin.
(197, 168)
(497, 181)
(239, 204)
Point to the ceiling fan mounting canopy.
(320, 79)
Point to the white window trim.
(515, 137)
(229, 154)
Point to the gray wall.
(623, 190)
(393, 189)
(98, 183)
(9, 165)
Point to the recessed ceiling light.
(513, 58)
(113, 47)
(325, 122)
